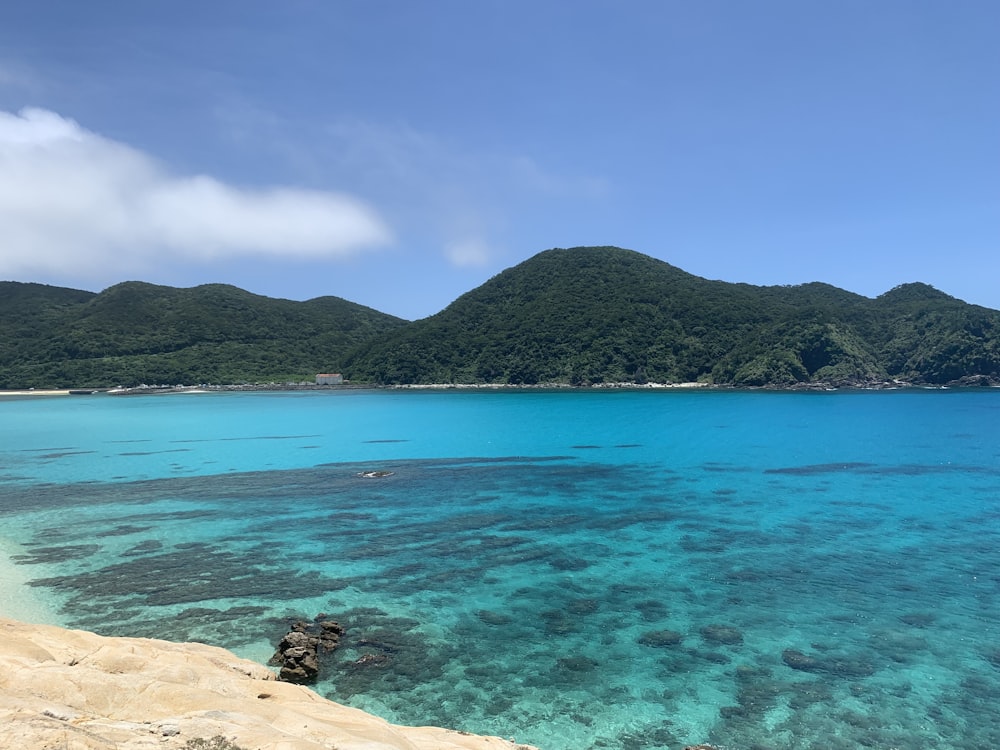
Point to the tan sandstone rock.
(73, 690)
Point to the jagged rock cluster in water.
(298, 652)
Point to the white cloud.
(468, 253)
(71, 200)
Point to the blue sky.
(399, 154)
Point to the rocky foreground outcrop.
(73, 690)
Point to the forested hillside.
(576, 316)
(599, 314)
(142, 333)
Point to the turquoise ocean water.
(575, 569)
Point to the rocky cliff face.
(63, 689)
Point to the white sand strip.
(34, 393)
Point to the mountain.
(143, 333)
(600, 314)
(579, 316)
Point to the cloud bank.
(72, 201)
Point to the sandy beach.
(34, 392)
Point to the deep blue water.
(635, 569)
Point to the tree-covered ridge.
(599, 314)
(143, 333)
(577, 316)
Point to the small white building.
(329, 379)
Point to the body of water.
(575, 569)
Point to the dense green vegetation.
(577, 316)
(137, 333)
(603, 314)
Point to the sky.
(399, 154)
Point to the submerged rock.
(493, 618)
(651, 610)
(798, 660)
(918, 619)
(559, 622)
(726, 635)
(837, 666)
(576, 663)
(373, 660)
(660, 638)
(582, 607)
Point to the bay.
(576, 569)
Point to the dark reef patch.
(155, 453)
(724, 635)
(144, 547)
(123, 530)
(63, 454)
(194, 573)
(490, 617)
(831, 468)
(918, 619)
(51, 555)
(837, 666)
(651, 610)
(661, 638)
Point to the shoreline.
(73, 688)
(18, 600)
(810, 387)
(35, 392)
(891, 384)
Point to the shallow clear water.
(573, 569)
